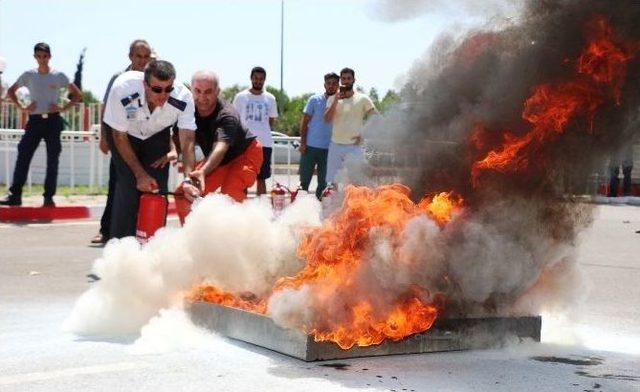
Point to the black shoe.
(11, 200)
(99, 239)
(48, 202)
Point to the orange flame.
(208, 293)
(337, 258)
(552, 107)
(602, 59)
(441, 207)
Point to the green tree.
(230, 92)
(282, 99)
(373, 94)
(88, 97)
(289, 122)
(387, 101)
(390, 98)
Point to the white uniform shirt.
(127, 111)
(255, 111)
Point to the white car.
(284, 145)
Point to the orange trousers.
(233, 178)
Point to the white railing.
(79, 117)
(82, 163)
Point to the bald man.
(233, 154)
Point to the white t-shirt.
(255, 112)
(127, 110)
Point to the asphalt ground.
(43, 270)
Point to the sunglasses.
(159, 90)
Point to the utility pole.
(282, 46)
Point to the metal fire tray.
(445, 335)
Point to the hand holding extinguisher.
(146, 183)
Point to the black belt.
(45, 115)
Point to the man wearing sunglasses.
(141, 109)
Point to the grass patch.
(62, 190)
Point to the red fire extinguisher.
(278, 197)
(328, 191)
(152, 215)
(294, 194)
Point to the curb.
(48, 214)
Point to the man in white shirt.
(141, 109)
(258, 111)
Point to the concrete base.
(445, 335)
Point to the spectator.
(315, 136)
(45, 122)
(347, 110)
(141, 109)
(624, 159)
(233, 156)
(258, 112)
(139, 55)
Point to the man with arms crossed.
(141, 109)
(140, 55)
(258, 112)
(45, 122)
(347, 110)
(315, 136)
(233, 156)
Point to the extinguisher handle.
(159, 193)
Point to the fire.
(208, 293)
(442, 206)
(602, 59)
(552, 107)
(345, 257)
(337, 260)
(337, 256)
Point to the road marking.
(70, 372)
(624, 267)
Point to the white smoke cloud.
(171, 330)
(238, 247)
(388, 270)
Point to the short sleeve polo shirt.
(127, 110)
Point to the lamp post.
(282, 46)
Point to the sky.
(229, 37)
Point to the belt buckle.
(45, 115)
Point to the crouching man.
(141, 109)
(233, 154)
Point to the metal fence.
(81, 161)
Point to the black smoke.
(516, 225)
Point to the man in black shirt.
(233, 154)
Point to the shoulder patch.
(176, 103)
(127, 100)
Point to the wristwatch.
(187, 181)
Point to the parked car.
(284, 145)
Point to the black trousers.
(614, 182)
(39, 128)
(126, 198)
(105, 221)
